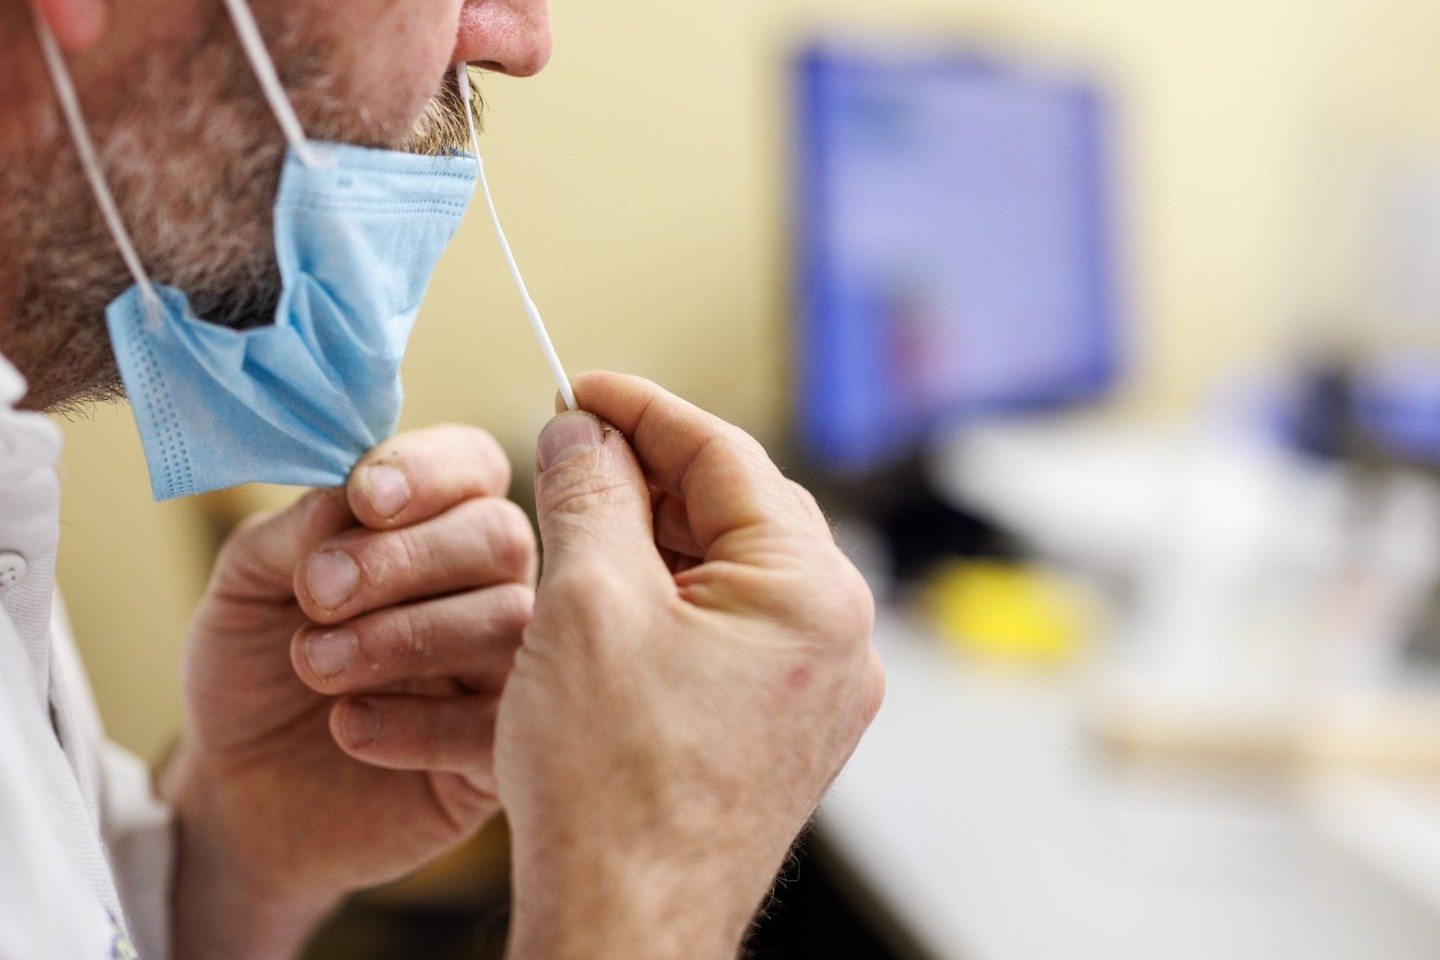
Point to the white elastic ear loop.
(260, 61)
(552, 360)
(90, 161)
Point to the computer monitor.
(957, 256)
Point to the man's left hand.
(342, 679)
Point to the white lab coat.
(85, 848)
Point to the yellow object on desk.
(1012, 612)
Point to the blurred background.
(1108, 332)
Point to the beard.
(194, 161)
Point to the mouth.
(442, 128)
(249, 300)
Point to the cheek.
(400, 52)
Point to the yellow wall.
(642, 179)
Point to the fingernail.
(388, 489)
(361, 724)
(330, 652)
(331, 577)
(569, 435)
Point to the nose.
(507, 36)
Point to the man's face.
(193, 153)
(389, 57)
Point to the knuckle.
(448, 457)
(570, 494)
(587, 597)
(486, 454)
(247, 528)
(234, 551)
(855, 601)
(403, 554)
(808, 504)
(749, 446)
(594, 583)
(802, 495)
(843, 613)
(513, 606)
(246, 539)
(483, 441)
(512, 539)
(744, 453)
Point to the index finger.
(418, 475)
(728, 482)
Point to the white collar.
(12, 385)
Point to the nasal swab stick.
(462, 76)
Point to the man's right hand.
(697, 671)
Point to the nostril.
(512, 37)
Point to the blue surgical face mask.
(300, 400)
(357, 234)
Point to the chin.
(385, 73)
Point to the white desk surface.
(990, 827)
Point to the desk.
(984, 822)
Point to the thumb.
(591, 496)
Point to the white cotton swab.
(552, 360)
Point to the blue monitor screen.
(956, 248)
